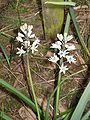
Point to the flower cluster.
(64, 48)
(28, 41)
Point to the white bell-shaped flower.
(70, 59)
(70, 47)
(63, 53)
(56, 45)
(54, 58)
(35, 45)
(67, 38)
(19, 39)
(63, 68)
(60, 37)
(20, 51)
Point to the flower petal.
(60, 37)
(54, 58)
(20, 34)
(19, 39)
(20, 51)
(63, 69)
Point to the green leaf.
(89, 43)
(61, 3)
(5, 54)
(48, 104)
(4, 117)
(66, 29)
(22, 97)
(83, 46)
(86, 116)
(6, 35)
(70, 76)
(65, 115)
(77, 114)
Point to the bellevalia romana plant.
(62, 58)
(28, 40)
(64, 51)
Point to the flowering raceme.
(28, 41)
(64, 48)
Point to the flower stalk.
(57, 94)
(30, 82)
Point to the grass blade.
(83, 46)
(4, 117)
(6, 35)
(86, 116)
(61, 3)
(66, 29)
(89, 43)
(22, 97)
(65, 115)
(5, 54)
(66, 78)
(77, 114)
(48, 104)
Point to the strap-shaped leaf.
(22, 97)
(86, 116)
(83, 46)
(77, 114)
(61, 3)
(4, 117)
(5, 54)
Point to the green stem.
(56, 105)
(32, 87)
(57, 97)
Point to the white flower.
(36, 42)
(67, 37)
(30, 27)
(35, 45)
(54, 58)
(63, 53)
(26, 44)
(60, 37)
(29, 33)
(19, 39)
(20, 51)
(63, 69)
(20, 35)
(70, 47)
(56, 45)
(24, 28)
(70, 59)
(27, 30)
